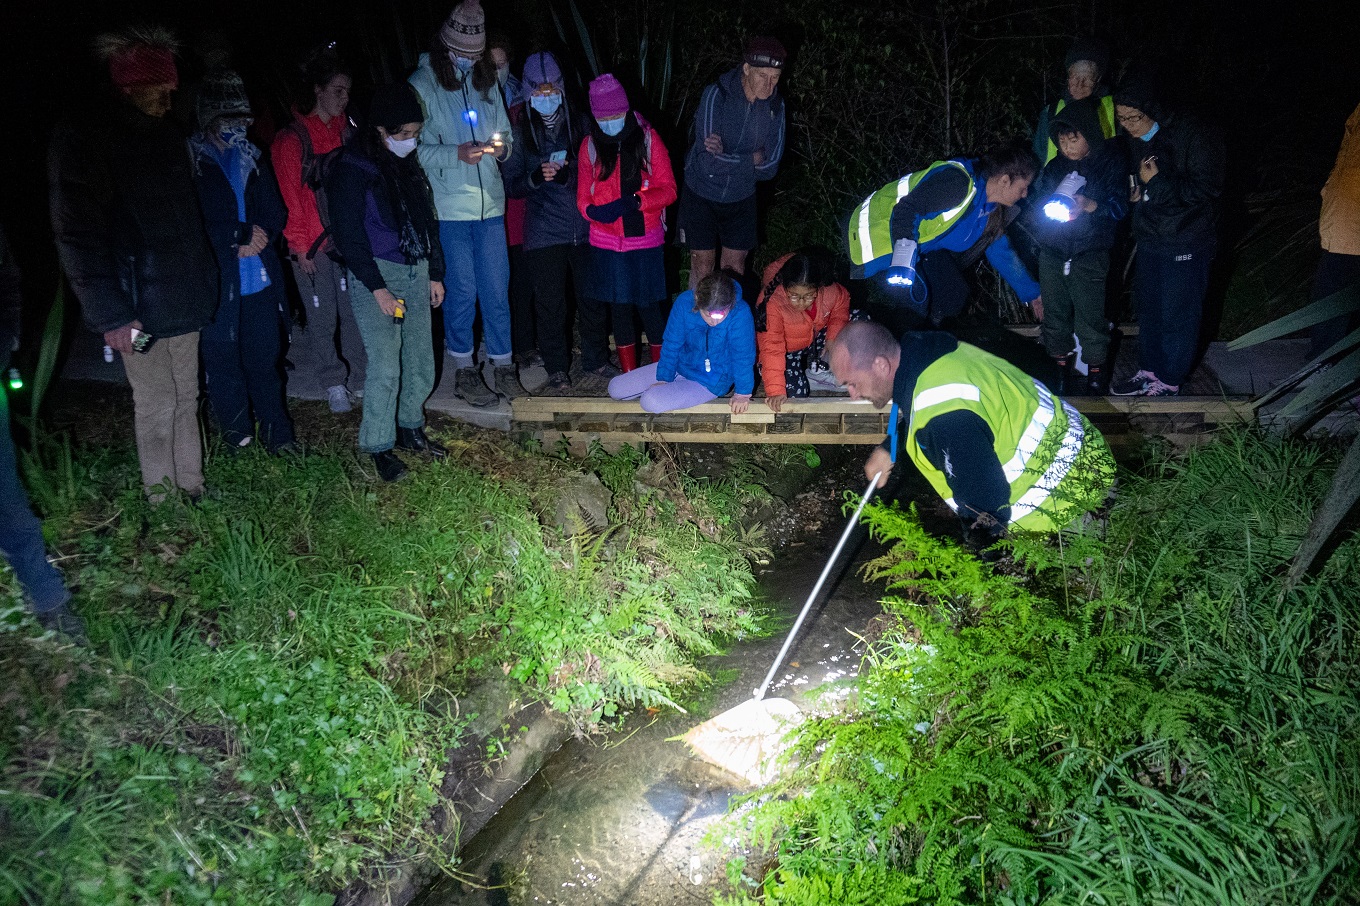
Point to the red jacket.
(304, 224)
(789, 330)
(658, 193)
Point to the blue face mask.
(546, 104)
(1147, 136)
(234, 135)
(462, 64)
(612, 127)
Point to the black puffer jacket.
(127, 221)
(1179, 209)
(550, 216)
(1106, 185)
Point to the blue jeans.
(477, 268)
(21, 539)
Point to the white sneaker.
(824, 380)
(338, 397)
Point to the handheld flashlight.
(399, 313)
(1064, 200)
(902, 270)
(16, 380)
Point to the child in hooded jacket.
(802, 309)
(1074, 251)
(709, 349)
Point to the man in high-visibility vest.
(928, 228)
(1087, 62)
(997, 446)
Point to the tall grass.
(1141, 716)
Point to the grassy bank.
(273, 684)
(1134, 718)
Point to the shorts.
(706, 225)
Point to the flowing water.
(621, 822)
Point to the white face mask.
(400, 146)
(462, 64)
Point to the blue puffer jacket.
(729, 349)
(745, 128)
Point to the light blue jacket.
(461, 191)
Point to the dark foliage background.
(874, 89)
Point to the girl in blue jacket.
(708, 350)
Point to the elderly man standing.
(1087, 63)
(997, 446)
(132, 241)
(738, 140)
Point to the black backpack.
(315, 169)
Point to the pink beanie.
(607, 97)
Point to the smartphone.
(557, 157)
(141, 340)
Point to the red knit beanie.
(139, 56)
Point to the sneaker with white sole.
(1157, 388)
(338, 398)
(1134, 386)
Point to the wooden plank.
(543, 408)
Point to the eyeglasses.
(801, 298)
(1130, 118)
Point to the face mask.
(234, 135)
(502, 75)
(1147, 136)
(462, 64)
(546, 104)
(400, 146)
(612, 127)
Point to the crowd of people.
(510, 203)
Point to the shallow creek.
(621, 822)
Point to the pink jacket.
(658, 193)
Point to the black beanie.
(395, 105)
(1089, 49)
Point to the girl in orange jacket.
(802, 308)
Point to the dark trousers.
(522, 291)
(550, 268)
(1074, 303)
(940, 291)
(625, 328)
(21, 539)
(242, 353)
(1334, 273)
(1169, 288)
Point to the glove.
(634, 203)
(607, 213)
(982, 534)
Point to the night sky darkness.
(1279, 78)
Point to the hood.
(1082, 116)
(1139, 94)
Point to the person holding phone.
(1179, 167)
(131, 237)
(543, 170)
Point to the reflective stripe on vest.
(1057, 470)
(871, 223)
(1104, 113)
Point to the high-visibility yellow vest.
(1104, 112)
(1057, 464)
(870, 224)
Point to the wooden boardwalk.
(831, 420)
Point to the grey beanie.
(222, 94)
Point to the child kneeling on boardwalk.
(709, 349)
(802, 309)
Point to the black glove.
(608, 213)
(981, 535)
(633, 201)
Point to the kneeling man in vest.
(998, 447)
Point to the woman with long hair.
(624, 188)
(384, 224)
(467, 131)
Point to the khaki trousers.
(164, 383)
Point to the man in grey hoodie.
(738, 140)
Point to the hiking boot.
(531, 359)
(1097, 380)
(338, 399)
(64, 621)
(558, 382)
(414, 439)
(389, 465)
(1134, 386)
(606, 371)
(291, 448)
(1157, 388)
(469, 386)
(507, 382)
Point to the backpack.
(315, 169)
